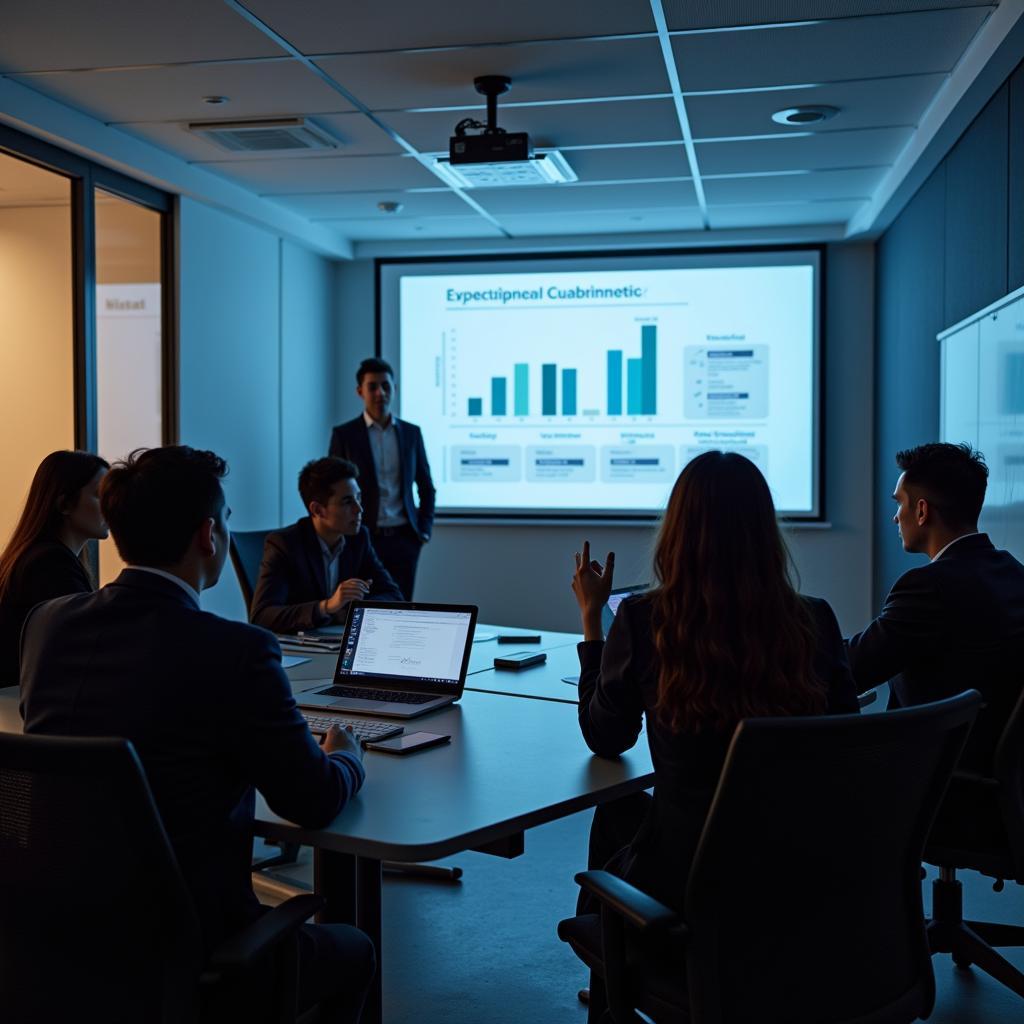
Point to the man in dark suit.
(204, 701)
(390, 455)
(311, 571)
(958, 621)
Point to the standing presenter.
(390, 455)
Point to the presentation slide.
(585, 392)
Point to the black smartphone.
(521, 659)
(408, 743)
(526, 638)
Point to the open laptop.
(398, 660)
(615, 598)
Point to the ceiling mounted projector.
(495, 157)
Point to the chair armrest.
(640, 910)
(867, 698)
(240, 951)
(976, 779)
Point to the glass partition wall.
(87, 344)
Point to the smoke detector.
(804, 115)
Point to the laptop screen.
(405, 643)
(615, 598)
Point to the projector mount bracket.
(491, 86)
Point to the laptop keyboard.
(390, 696)
(364, 730)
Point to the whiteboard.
(982, 402)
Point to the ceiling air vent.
(266, 135)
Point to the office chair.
(246, 555)
(97, 922)
(981, 827)
(803, 903)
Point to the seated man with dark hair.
(957, 622)
(313, 570)
(203, 699)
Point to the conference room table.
(516, 761)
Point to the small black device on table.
(521, 659)
(524, 638)
(408, 743)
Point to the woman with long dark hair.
(723, 636)
(41, 560)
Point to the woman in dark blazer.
(41, 560)
(724, 636)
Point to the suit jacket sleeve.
(372, 568)
(611, 709)
(911, 621)
(271, 742)
(832, 664)
(270, 605)
(337, 445)
(424, 489)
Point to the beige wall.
(36, 347)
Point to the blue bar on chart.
(548, 400)
(522, 389)
(476, 407)
(614, 382)
(634, 387)
(568, 392)
(497, 396)
(649, 357)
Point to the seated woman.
(723, 636)
(41, 560)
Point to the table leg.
(352, 888)
(368, 911)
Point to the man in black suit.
(311, 571)
(957, 622)
(390, 455)
(204, 701)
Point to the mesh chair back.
(1008, 765)
(96, 922)
(246, 555)
(804, 900)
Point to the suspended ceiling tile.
(781, 215)
(282, 176)
(705, 14)
(356, 135)
(259, 89)
(874, 103)
(612, 222)
(557, 199)
(326, 26)
(363, 205)
(815, 151)
(629, 162)
(827, 51)
(571, 124)
(539, 72)
(785, 188)
(418, 229)
(71, 34)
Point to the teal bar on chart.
(497, 396)
(649, 357)
(522, 398)
(548, 398)
(634, 387)
(615, 382)
(568, 392)
(476, 407)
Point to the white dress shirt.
(387, 462)
(187, 587)
(953, 541)
(330, 557)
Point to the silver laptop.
(398, 660)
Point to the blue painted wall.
(957, 246)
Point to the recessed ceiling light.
(216, 101)
(389, 207)
(804, 115)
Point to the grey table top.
(511, 765)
